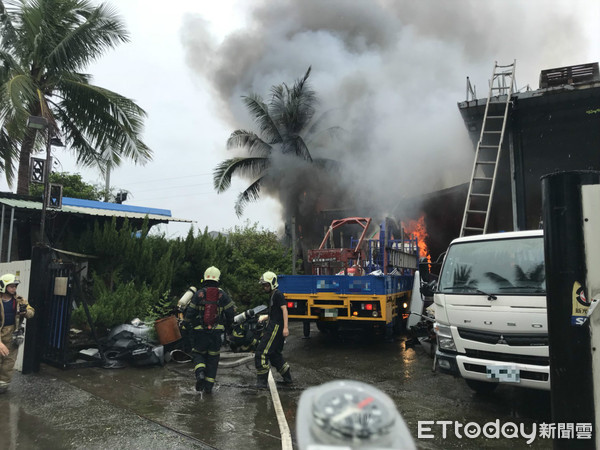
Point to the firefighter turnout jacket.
(15, 304)
(10, 320)
(210, 309)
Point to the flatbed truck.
(367, 285)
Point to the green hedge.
(138, 275)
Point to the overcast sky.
(395, 68)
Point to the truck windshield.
(501, 266)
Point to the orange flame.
(417, 229)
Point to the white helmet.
(269, 278)
(212, 274)
(5, 280)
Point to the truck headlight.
(444, 337)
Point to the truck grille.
(523, 340)
(517, 359)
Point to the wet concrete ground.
(158, 407)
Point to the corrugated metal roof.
(27, 204)
(114, 206)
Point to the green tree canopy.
(254, 251)
(44, 47)
(73, 186)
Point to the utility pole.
(41, 123)
(571, 381)
(107, 181)
(46, 199)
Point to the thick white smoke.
(393, 71)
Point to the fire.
(417, 229)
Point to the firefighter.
(271, 344)
(208, 315)
(14, 310)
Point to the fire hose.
(242, 358)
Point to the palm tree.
(287, 125)
(44, 46)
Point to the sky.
(391, 73)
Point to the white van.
(490, 311)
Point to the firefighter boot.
(287, 377)
(200, 380)
(208, 385)
(262, 381)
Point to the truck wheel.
(306, 328)
(482, 387)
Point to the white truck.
(490, 311)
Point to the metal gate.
(58, 315)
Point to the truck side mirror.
(427, 289)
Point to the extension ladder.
(487, 155)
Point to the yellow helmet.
(5, 280)
(269, 278)
(212, 274)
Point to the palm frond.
(299, 84)
(8, 34)
(16, 95)
(110, 122)
(260, 111)
(76, 138)
(250, 141)
(9, 66)
(250, 194)
(293, 108)
(250, 167)
(295, 144)
(302, 101)
(85, 33)
(9, 151)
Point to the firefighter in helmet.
(14, 309)
(208, 315)
(270, 347)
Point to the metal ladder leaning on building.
(487, 155)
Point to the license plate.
(330, 313)
(504, 374)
